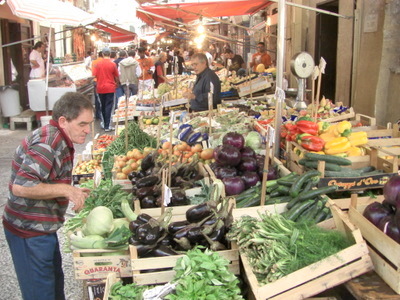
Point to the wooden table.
(370, 287)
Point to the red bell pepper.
(312, 143)
(309, 127)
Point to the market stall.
(69, 77)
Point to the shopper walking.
(159, 73)
(147, 66)
(107, 77)
(97, 103)
(130, 72)
(39, 193)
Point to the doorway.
(326, 46)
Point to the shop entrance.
(326, 46)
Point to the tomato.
(207, 154)
(166, 145)
(197, 148)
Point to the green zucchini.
(343, 173)
(298, 209)
(313, 164)
(312, 194)
(328, 158)
(286, 182)
(279, 199)
(310, 215)
(297, 185)
(322, 215)
(250, 201)
(366, 169)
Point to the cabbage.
(253, 140)
(99, 221)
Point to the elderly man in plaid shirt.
(40, 191)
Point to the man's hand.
(78, 196)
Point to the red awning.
(191, 11)
(118, 34)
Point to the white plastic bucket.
(44, 120)
(9, 102)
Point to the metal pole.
(315, 9)
(47, 73)
(280, 61)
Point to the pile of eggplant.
(205, 224)
(146, 183)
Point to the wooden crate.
(110, 280)
(127, 184)
(178, 212)
(155, 270)
(253, 86)
(384, 250)
(346, 116)
(93, 264)
(293, 157)
(320, 276)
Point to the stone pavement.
(9, 289)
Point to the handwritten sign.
(357, 183)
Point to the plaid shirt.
(45, 156)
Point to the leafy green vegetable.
(137, 139)
(253, 140)
(130, 291)
(276, 246)
(106, 194)
(204, 194)
(204, 275)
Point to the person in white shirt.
(36, 61)
(130, 72)
(88, 60)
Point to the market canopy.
(188, 12)
(118, 34)
(51, 11)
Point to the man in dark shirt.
(199, 96)
(234, 61)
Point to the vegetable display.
(386, 215)
(276, 246)
(204, 275)
(147, 183)
(239, 166)
(205, 224)
(137, 139)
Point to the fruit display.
(87, 167)
(125, 164)
(325, 138)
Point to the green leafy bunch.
(204, 275)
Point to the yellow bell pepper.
(317, 152)
(355, 151)
(333, 130)
(343, 154)
(358, 138)
(344, 128)
(337, 145)
(327, 136)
